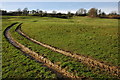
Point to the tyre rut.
(114, 70)
(37, 57)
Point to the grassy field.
(91, 37)
(96, 37)
(71, 65)
(16, 65)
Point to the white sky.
(59, 0)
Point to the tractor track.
(53, 67)
(113, 70)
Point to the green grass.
(16, 65)
(96, 37)
(70, 64)
(93, 37)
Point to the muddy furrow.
(114, 70)
(37, 57)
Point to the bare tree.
(54, 12)
(19, 11)
(81, 11)
(93, 12)
(25, 11)
(45, 13)
(85, 11)
(37, 11)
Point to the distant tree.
(54, 12)
(103, 14)
(85, 11)
(37, 11)
(69, 14)
(19, 12)
(92, 12)
(41, 13)
(30, 12)
(99, 12)
(33, 12)
(45, 13)
(81, 12)
(0, 12)
(25, 11)
(59, 14)
(3, 12)
(113, 13)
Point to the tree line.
(93, 12)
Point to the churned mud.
(54, 67)
(114, 70)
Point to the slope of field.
(70, 64)
(114, 70)
(60, 30)
(96, 37)
(16, 65)
(36, 56)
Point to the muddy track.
(37, 57)
(113, 70)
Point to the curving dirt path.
(114, 70)
(37, 57)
